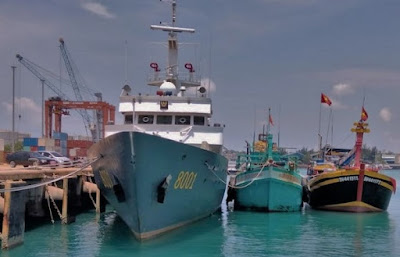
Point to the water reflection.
(350, 234)
(261, 234)
(309, 233)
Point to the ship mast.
(359, 128)
(172, 62)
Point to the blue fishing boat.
(162, 168)
(265, 179)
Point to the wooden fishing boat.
(353, 188)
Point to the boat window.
(182, 120)
(128, 119)
(164, 119)
(198, 120)
(146, 119)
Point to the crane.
(35, 69)
(71, 73)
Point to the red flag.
(364, 114)
(325, 100)
(270, 120)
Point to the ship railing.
(184, 77)
(254, 160)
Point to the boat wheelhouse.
(176, 116)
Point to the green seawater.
(229, 233)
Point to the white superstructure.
(172, 112)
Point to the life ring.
(182, 120)
(145, 119)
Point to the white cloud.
(342, 89)
(337, 105)
(23, 104)
(385, 114)
(98, 9)
(357, 77)
(27, 114)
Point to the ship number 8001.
(185, 180)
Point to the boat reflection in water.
(348, 234)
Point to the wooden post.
(13, 216)
(65, 202)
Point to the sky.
(259, 54)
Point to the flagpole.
(329, 126)
(254, 131)
(269, 125)
(319, 130)
(279, 125)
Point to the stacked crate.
(46, 144)
(78, 148)
(33, 144)
(30, 144)
(61, 142)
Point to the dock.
(49, 194)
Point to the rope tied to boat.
(266, 164)
(54, 205)
(21, 188)
(212, 169)
(48, 204)
(90, 193)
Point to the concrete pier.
(13, 215)
(61, 200)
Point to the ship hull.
(271, 190)
(156, 184)
(351, 191)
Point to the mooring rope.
(15, 189)
(90, 194)
(251, 182)
(238, 187)
(48, 204)
(211, 168)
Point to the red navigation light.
(154, 66)
(189, 66)
(160, 93)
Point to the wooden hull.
(274, 189)
(351, 191)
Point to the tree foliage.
(17, 147)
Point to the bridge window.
(198, 120)
(146, 119)
(182, 120)
(164, 119)
(128, 119)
